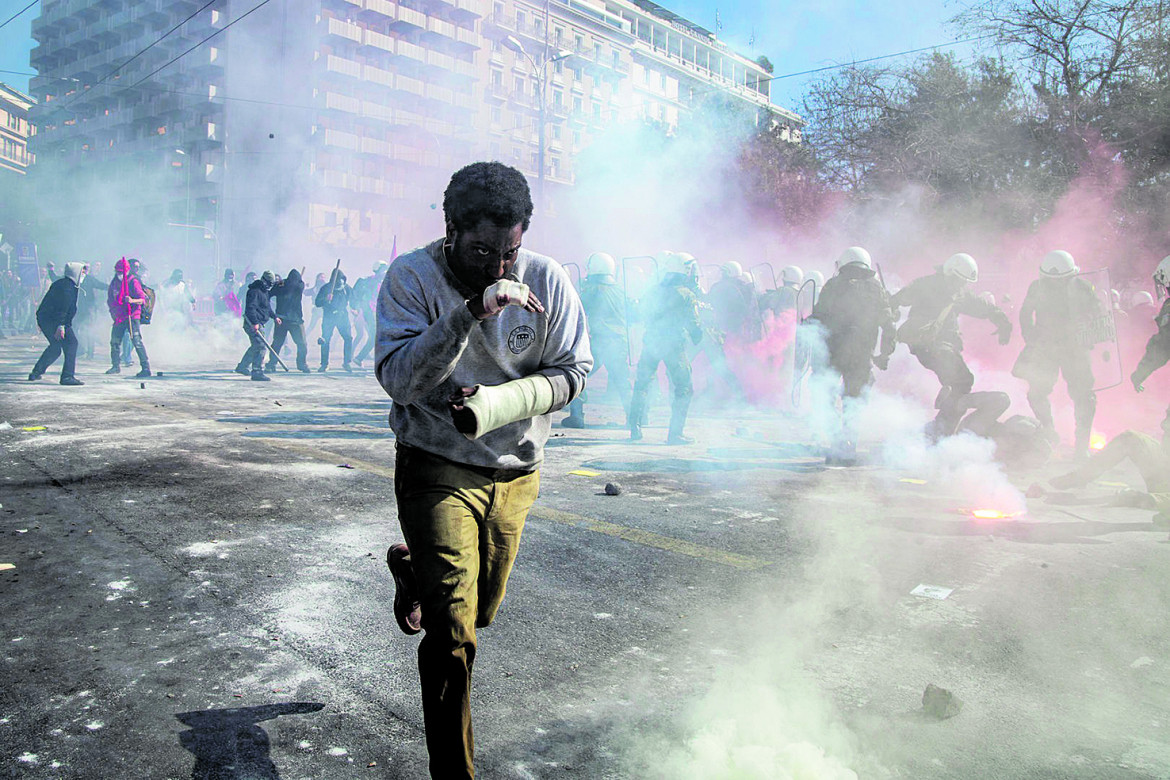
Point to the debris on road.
(344, 466)
(910, 481)
(585, 473)
(34, 428)
(5, 426)
(932, 592)
(7, 566)
(939, 703)
(613, 489)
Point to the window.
(578, 105)
(617, 59)
(597, 110)
(497, 115)
(576, 138)
(519, 84)
(597, 51)
(580, 41)
(521, 18)
(497, 77)
(556, 132)
(559, 98)
(558, 33)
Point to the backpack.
(147, 307)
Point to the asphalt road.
(198, 590)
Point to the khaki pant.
(1147, 454)
(462, 525)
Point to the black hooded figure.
(257, 311)
(290, 319)
(335, 299)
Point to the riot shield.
(802, 364)
(574, 274)
(1098, 332)
(759, 279)
(638, 273)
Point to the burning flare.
(1097, 441)
(991, 514)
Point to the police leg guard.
(494, 406)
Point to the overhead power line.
(17, 15)
(852, 63)
(223, 29)
(228, 98)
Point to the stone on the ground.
(939, 703)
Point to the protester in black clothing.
(290, 319)
(335, 299)
(55, 319)
(365, 294)
(89, 298)
(257, 311)
(242, 293)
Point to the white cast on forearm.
(495, 406)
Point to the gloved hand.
(882, 362)
(1005, 334)
(60, 334)
(1138, 387)
(504, 293)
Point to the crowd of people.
(477, 342)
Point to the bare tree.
(1077, 49)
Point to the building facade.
(322, 128)
(15, 131)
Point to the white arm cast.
(495, 406)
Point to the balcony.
(410, 86)
(342, 140)
(411, 52)
(336, 102)
(339, 180)
(377, 111)
(376, 40)
(343, 67)
(440, 94)
(380, 8)
(441, 61)
(343, 30)
(375, 146)
(408, 20)
(440, 28)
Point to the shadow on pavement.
(380, 435)
(683, 465)
(229, 745)
(308, 418)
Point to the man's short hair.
(487, 190)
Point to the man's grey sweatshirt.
(429, 345)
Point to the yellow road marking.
(650, 539)
(635, 535)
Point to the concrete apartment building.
(324, 128)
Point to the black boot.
(260, 376)
(576, 418)
(678, 419)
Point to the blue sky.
(795, 36)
